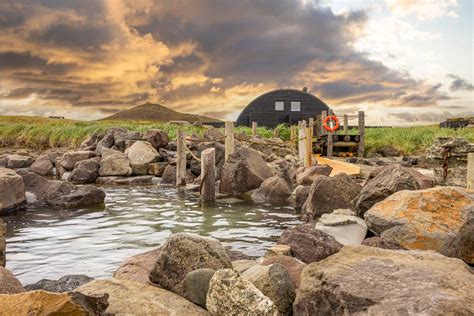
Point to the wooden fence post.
(323, 116)
(318, 126)
(254, 129)
(181, 159)
(208, 175)
(301, 141)
(229, 139)
(276, 132)
(470, 171)
(330, 139)
(361, 147)
(309, 147)
(346, 122)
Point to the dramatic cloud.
(459, 83)
(424, 9)
(204, 56)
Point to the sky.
(405, 62)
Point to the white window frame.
(279, 103)
(294, 103)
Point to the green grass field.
(41, 133)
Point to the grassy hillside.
(156, 112)
(35, 132)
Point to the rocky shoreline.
(396, 239)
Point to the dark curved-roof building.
(282, 106)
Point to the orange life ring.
(329, 128)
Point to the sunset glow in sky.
(403, 61)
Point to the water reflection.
(44, 243)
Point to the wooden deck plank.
(338, 166)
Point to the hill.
(157, 112)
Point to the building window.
(295, 106)
(279, 106)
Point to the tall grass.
(40, 133)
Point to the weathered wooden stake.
(181, 159)
(208, 175)
(309, 147)
(293, 133)
(319, 126)
(346, 122)
(323, 116)
(361, 148)
(276, 132)
(301, 141)
(330, 139)
(470, 171)
(254, 129)
(229, 139)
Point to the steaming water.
(46, 243)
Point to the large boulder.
(362, 280)
(43, 166)
(344, 226)
(18, 161)
(46, 303)
(169, 175)
(301, 194)
(115, 165)
(440, 219)
(379, 242)
(157, 138)
(85, 171)
(197, 285)
(243, 171)
(8, 283)
(284, 169)
(330, 193)
(137, 268)
(142, 153)
(12, 191)
(70, 158)
(66, 283)
(230, 294)
(309, 244)
(133, 298)
(275, 282)
(183, 253)
(309, 174)
(384, 181)
(293, 265)
(274, 190)
(3, 232)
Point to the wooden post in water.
(254, 129)
(470, 171)
(301, 141)
(208, 175)
(361, 148)
(309, 147)
(229, 139)
(181, 159)
(346, 122)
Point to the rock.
(384, 181)
(157, 138)
(115, 165)
(309, 244)
(344, 226)
(197, 285)
(458, 147)
(8, 283)
(138, 180)
(243, 171)
(139, 170)
(19, 161)
(388, 151)
(284, 169)
(274, 282)
(106, 152)
(45, 303)
(142, 153)
(439, 219)
(301, 194)
(183, 253)
(42, 166)
(90, 143)
(133, 298)
(137, 268)
(380, 243)
(70, 158)
(277, 250)
(85, 171)
(214, 134)
(230, 294)
(372, 281)
(3, 232)
(330, 193)
(12, 191)
(169, 175)
(242, 265)
(67, 283)
(274, 190)
(157, 169)
(309, 174)
(291, 264)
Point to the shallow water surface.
(46, 243)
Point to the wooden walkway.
(338, 166)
